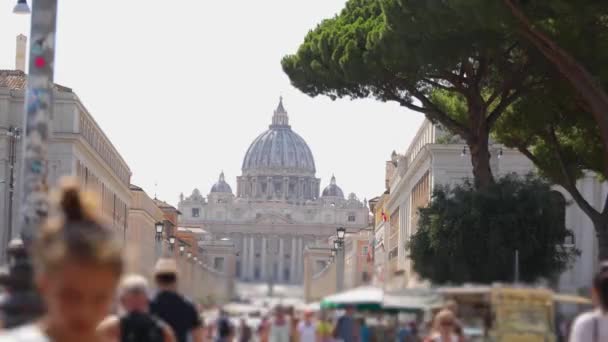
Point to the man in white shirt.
(307, 329)
(593, 326)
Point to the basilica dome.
(279, 148)
(333, 190)
(221, 186)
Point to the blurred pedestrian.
(593, 326)
(245, 333)
(264, 330)
(452, 305)
(324, 328)
(280, 328)
(225, 330)
(404, 334)
(365, 333)
(136, 324)
(443, 331)
(172, 307)
(77, 265)
(307, 329)
(346, 327)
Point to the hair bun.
(72, 201)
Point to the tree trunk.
(480, 159)
(478, 141)
(601, 230)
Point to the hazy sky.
(182, 88)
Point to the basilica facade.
(278, 208)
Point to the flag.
(384, 218)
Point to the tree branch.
(569, 183)
(502, 106)
(439, 85)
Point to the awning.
(571, 299)
(362, 298)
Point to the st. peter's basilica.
(278, 208)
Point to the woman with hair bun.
(77, 265)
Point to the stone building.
(78, 147)
(278, 208)
(434, 157)
(141, 250)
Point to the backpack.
(141, 327)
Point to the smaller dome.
(221, 186)
(333, 190)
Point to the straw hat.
(165, 266)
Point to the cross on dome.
(280, 117)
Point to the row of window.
(111, 205)
(92, 135)
(196, 212)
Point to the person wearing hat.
(593, 326)
(172, 307)
(307, 331)
(136, 324)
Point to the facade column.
(252, 253)
(285, 187)
(244, 258)
(264, 268)
(292, 270)
(281, 257)
(299, 258)
(269, 187)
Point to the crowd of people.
(284, 325)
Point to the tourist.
(324, 328)
(365, 333)
(77, 264)
(264, 330)
(405, 334)
(225, 330)
(245, 333)
(443, 330)
(346, 327)
(306, 329)
(593, 326)
(137, 324)
(280, 328)
(172, 307)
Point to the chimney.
(20, 53)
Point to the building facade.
(278, 208)
(78, 147)
(433, 158)
(141, 249)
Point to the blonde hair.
(74, 232)
(442, 316)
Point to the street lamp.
(21, 7)
(336, 246)
(189, 255)
(172, 242)
(182, 248)
(341, 233)
(159, 230)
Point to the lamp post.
(339, 247)
(172, 243)
(158, 237)
(23, 304)
(14, 134)
(182, 248)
